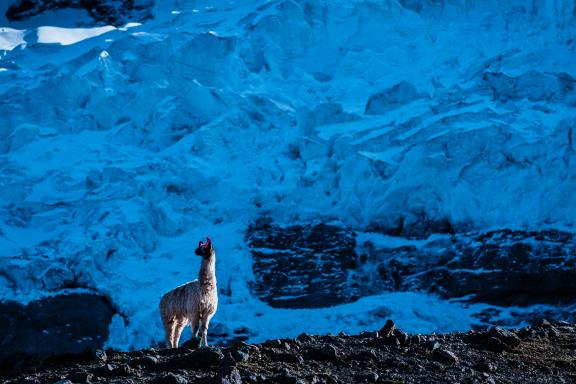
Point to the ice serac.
(396, 96)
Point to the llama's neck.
(207, 273)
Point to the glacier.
(123, 145)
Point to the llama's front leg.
(205, 324)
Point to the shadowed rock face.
(318, 266)
(501, 267)
(302, 266)
(62, 324)
(115, 12)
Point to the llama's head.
(204, 248)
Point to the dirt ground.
(543, 353)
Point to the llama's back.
(182, 301)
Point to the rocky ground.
(543, 353)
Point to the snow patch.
(11, 38)
(68, 36)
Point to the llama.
(193, 302)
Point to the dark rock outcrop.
(501, 267)
(496, 340)
(319, 265)
(114, 12)
(62, 324)
(302, 266)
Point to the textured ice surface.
(120, 151)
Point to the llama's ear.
(200, 244)
(208, 243)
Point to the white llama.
(193, 302)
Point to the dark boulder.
(192, 343)
(496, 339)
(64, 324)
(446, 356)
(148, 361)
(388, 329)
(401, 336)
(510, 339)
(240, 356)
(329, 352)
(286, 357)
(206, 357)
(114, 12)
(227, 371)
(303, 266)
(172, 378)
(100, 355)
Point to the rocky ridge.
(542, 353)
(66, 323)
(503, 268)
(114, 12)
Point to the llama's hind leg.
(180, 324)
(194, 324)
(169, 328)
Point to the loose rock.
(329, 352)
(486, 367)
(509, 338)
(543, 324)
(206, 357)
(432, 345)
(240, 356)
(387, 329)
(287, 357)
(227, 371)
(172, 378)
(100, 355)
(193, 343)
(304, 338)
(81, 377)
(401, 336)
(446, 356)
(149, 360)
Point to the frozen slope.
(121, 147)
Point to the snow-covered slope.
(121, 147)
